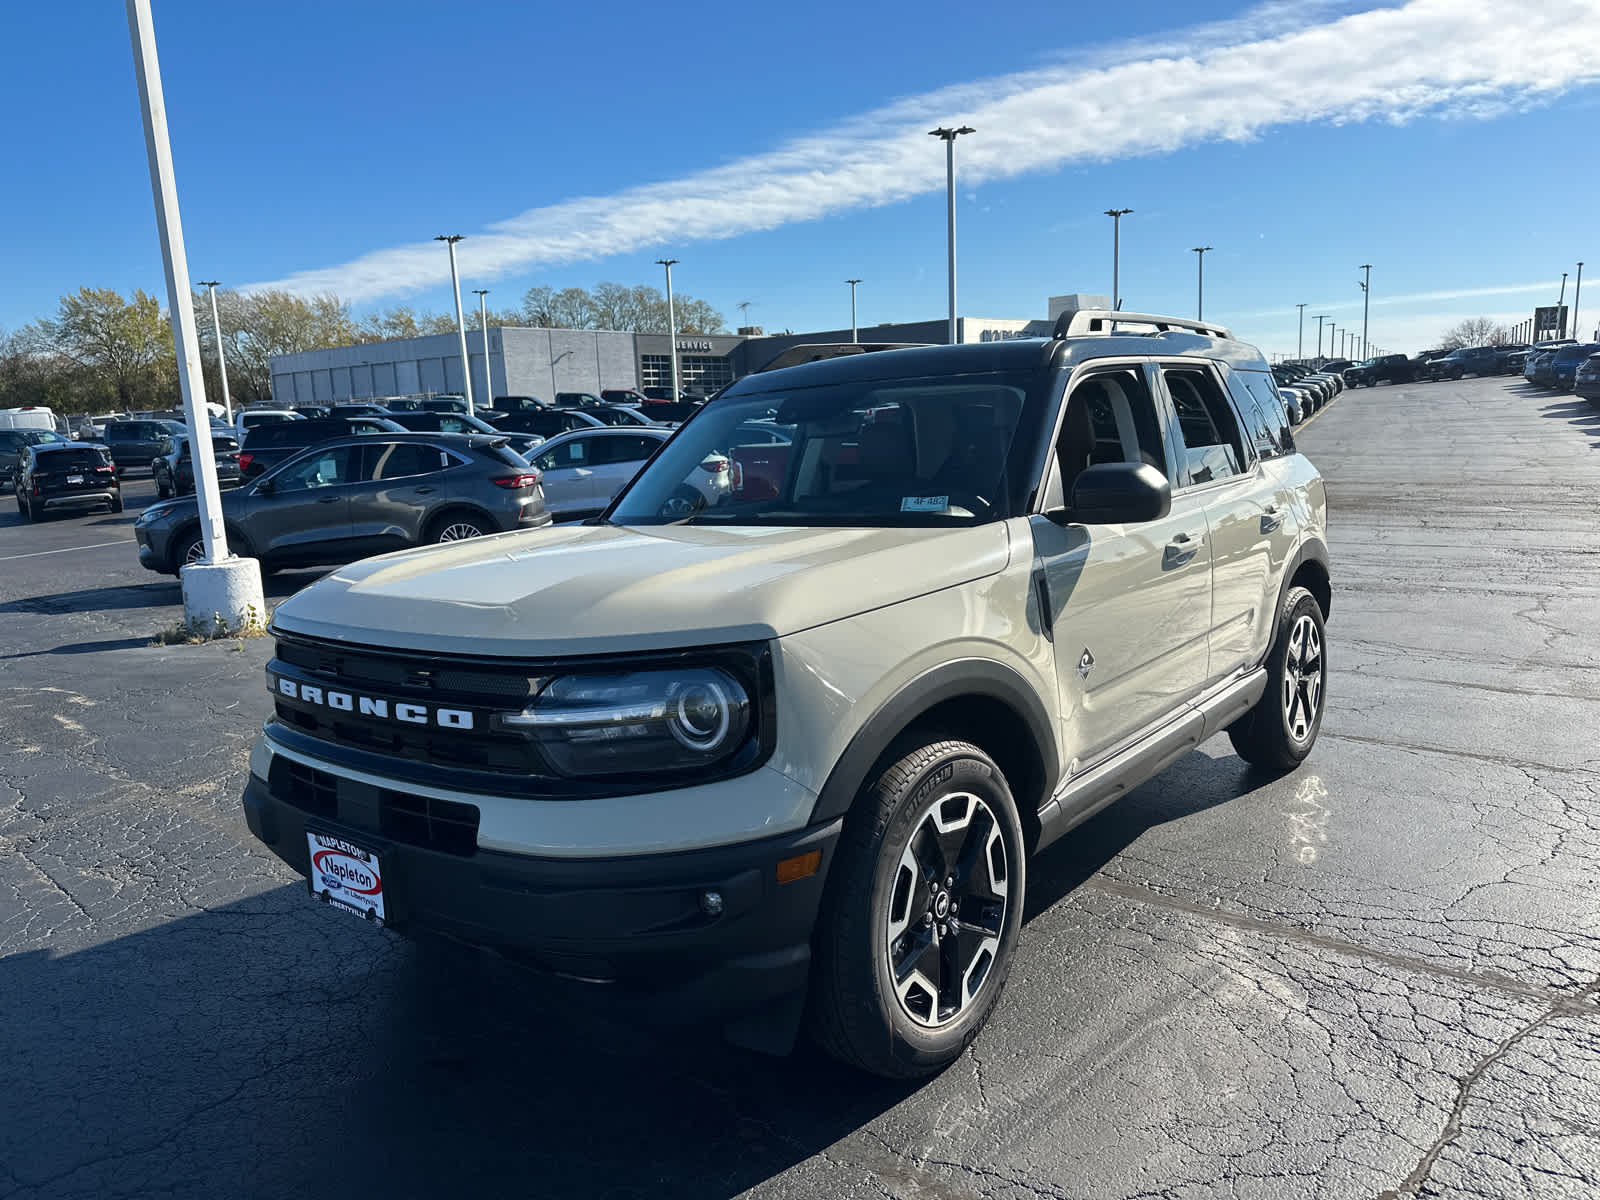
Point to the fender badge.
(1085, 664)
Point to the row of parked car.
(1569, 366)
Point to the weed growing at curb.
(197, 632)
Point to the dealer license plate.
(346, 876)
(74, 478)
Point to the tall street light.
(852, 283)
(461, 322)
(1300, 343)
(1200, 295)
(949, 136)
(1321, 317)
(1116, 215)
(216, 328)
(1577, 291)
(672, 325)
(483, 320)
(1366, 297)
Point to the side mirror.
(263, 487)
(1117, 494)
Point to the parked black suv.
(546, 422)
(1471, 360)
(173, 469)
(356, 496)
(1386, 368)
(65, 475)
(265, 446)
(134, 444)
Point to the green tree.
(258, 325)
(125, 344)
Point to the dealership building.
(523, 361)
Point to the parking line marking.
(69, 549)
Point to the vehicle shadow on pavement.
(99, 599)
(127, 643)
(1199, 783)
(266, 1046)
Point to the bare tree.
(1475, 331)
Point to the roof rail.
(1104, 320)
(818, 351)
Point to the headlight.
(638, 722)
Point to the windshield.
(900, 452)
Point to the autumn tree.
(124, 344)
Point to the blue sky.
(776, 152)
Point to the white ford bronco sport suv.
(782, 759)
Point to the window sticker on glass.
(924, 503)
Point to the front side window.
(568, 454)
(896, 452)
(326, 468)
(627, 448)
(1206, 426)
(1110, 418)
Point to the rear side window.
(622, 449)
(1207, 427)
(400, 460)
(1257, 397)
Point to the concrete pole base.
(224, 597)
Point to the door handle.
(424, 491)
(1180, 551)
(329, 499)
(1270, 518)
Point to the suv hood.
(594, 589)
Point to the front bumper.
(626, 934)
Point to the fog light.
(711, 903)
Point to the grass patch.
(197, 632)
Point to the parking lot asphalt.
(1374, 977)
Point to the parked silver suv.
(785, 757)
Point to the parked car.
(662, 394)
(1544, 367)
(173, 470)
(454, 422)
(546, 422)
(584, 469)
(1426, 364)
(268, 445)
(355, 496)
(1564, 364)
(515, 404)
(758, 459)
(619, 415)
(791, 760)
(246, 419)
(64, 475)
(134, 444)
(665, 412)
(1385, 368)
(1296, 403)
(12, 442)
(312, 411)
(632, 397)
(1470, 360)
(577, 400)
(361, 409)
(29, 417)
(1336, 366)
(1586, 380)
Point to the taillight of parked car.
(245, 459)
(714, 466)
(513, 482)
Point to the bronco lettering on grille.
(372, 706)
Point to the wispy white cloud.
(1227, 82)
(1379, 300)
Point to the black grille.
(424, 821)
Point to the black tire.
(33, 512)
(856, 1013)
(1282, 728)
(116, 504)
(163, 492)
(684, 502)
(453, 527)
(183, 547)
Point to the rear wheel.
(684, 502)
(1280, 730)
(457, 527)
(191, 548)
(922, 913)
(116, 503)
(163, 489)
(34, 512)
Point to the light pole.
(1116, 215)
(483, 320)
(1366, 297)
(1300, 343)
(672, 326)
(949, 136)
(218, 587)
(852, 282)
(222, 366)
(1200, 294)
(1320, 319)
(1577, 291)
(461, 322)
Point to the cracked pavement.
(1375, 978)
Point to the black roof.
(980, 357)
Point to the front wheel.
(922, 912)
(1280, 730)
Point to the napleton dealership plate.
(347, 876)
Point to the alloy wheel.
(459, 531)
(1302, 679)
(947, 909)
